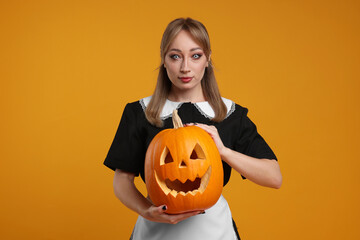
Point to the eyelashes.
(174, 56)
(197, 55)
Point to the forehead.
(184, 42)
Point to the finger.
(208, 129)
(162, 209)
(206, 126)
(200, 125)
(157, 211)
(203, 126)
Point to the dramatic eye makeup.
(194, 53)
(197, 55)
(174, 56)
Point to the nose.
(183, 164)
(185, 66)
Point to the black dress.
(135, 133)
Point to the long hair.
(209, 85)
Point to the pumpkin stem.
(176, 120)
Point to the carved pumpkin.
(183, 169)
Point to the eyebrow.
(178, 50)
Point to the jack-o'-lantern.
(183, 169)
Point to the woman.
(186, 82)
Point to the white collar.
(203, 107)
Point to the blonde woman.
(186, 82)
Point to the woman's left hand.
(264, 172)
(213, 132)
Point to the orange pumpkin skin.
(201, 170)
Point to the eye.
(174, 56)
(197, 56)
(166, 157)
(197, 153)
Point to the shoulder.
(167, 108)
(133, 108)
(138, 104)
(230, 106)
(144, 102)
(206, 109)
(234, 109)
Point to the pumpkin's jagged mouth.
(189, 187)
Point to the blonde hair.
(209, 85)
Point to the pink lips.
(185, 79)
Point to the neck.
(190, 95)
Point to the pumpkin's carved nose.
(183, 164)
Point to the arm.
(126, 191)
(264, 172)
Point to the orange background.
(67, 69)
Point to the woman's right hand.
(158, 214)
(126, 191)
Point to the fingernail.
(164, 208)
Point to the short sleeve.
(127, 149)
(250, 142)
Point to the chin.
(187, 86)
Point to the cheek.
(200, 70)
(200, 65)
(171, 70)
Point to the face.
(185, 62)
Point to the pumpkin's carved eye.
(166, 157)
(197, 153)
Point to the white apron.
(215, 224)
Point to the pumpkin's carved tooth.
(194, 192)
(190, 187)
(173, 193)
(182, 180)
(172, 178)
(185, 187)
(198, 176)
